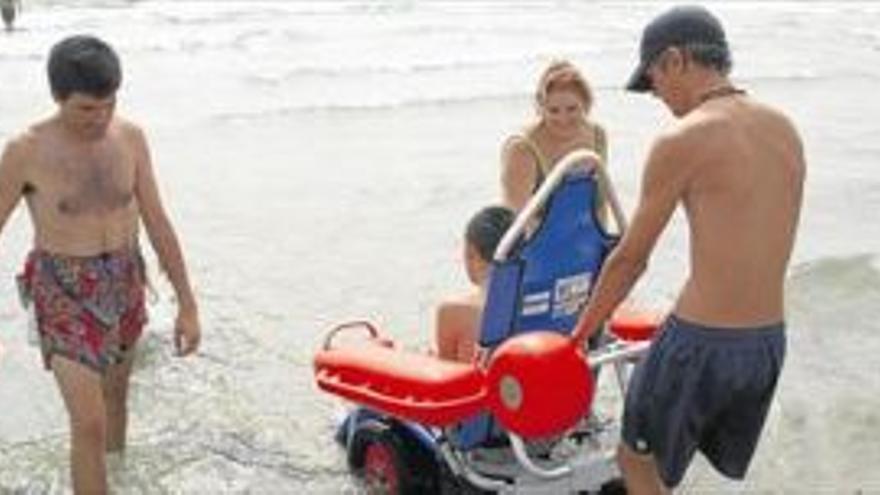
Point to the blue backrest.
(545, 280)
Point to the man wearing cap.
(737, 167)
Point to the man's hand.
(583, 331)
(187, 332)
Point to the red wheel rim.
(380, 473)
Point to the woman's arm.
(518, 174)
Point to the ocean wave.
(802, 76)
(416, 95)
(281, 111)
(836, 301)
(240, 13)
(30, 56)
(383, 68)
(843, 277)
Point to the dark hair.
(83, 64)
(486, 228)
(711, 56)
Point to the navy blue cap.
(679, 26)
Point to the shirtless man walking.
(87, 179)
(737, 167)
(8, 10)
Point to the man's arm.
(11, 178)
(663, 184)
(167, 247)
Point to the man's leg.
(115, 398)
(81, 390)
(639, 472)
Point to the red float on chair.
(634, 326)
(539, 384)
(536, 384)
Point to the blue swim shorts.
(705, 389)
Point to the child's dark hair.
(487, 227)
(83, 64)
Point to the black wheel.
(613, 487)
(390, 461)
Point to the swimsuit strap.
(600, 141)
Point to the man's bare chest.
(88, 181)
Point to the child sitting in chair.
(458, 318)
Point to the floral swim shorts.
(89, 309)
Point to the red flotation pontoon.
(410, 385)
(520, 385)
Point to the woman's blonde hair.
(563, 75)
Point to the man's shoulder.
(27, 139)
(701, 123)
(678, 137)
(128, 134)
(681, 147)
(697, 131)
(749, 112)
(127, 128)
(775, 117)
(20, 150)
(766, 108)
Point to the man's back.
(742, 199)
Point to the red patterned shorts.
(88, 309)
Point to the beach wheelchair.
(519, 418)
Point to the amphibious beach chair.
(519, 418)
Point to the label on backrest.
(571, 293)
